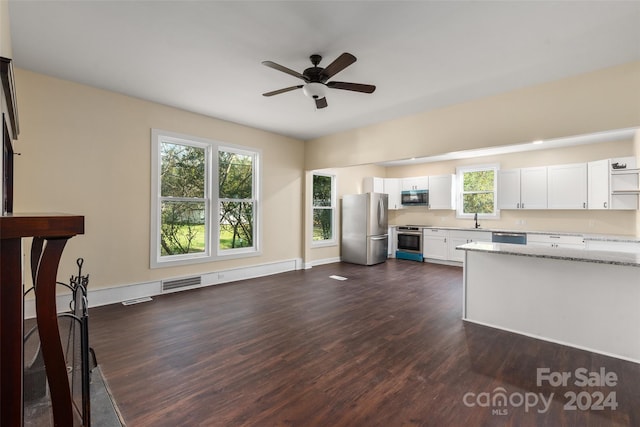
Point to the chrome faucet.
(475, 218)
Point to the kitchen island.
(582, 298)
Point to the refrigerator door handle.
(382, 215)
(380, 237)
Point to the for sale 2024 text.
(582, 377)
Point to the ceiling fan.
(315, 78)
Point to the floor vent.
(170, 285)
(136, 301)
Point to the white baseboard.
(443, 262)
(323, 261)
(118, 294)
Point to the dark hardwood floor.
(387, 347)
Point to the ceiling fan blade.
(321, 103)
(284, 69)
(342, 62)
(279, 91)
(356, 87)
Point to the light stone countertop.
(586, 236)
(567, 254)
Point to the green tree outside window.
(478, 191)
(323, 207)
(183, 203)
(236, 200)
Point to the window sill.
(203, 259)
(323, 244)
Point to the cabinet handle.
(605, 205)
(584, 205)
(518, 205)
(522, 205)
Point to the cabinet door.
(567, 186)
(556, 241)
(393, 242)
(415, 183)
(509, 189)
(393, 187)
(454, 254)
(533, 188)
(461, 237)
(598, 184)
(442, 192)
(373, 184)
(434, 244)
(409, 184)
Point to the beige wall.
(597, 101)
(587, 221)
(5, 30)
(88, 151)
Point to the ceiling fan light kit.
(314, 90)
(316, 78)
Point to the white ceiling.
(205, 56)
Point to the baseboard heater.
(185, 282)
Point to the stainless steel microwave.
(415, 198)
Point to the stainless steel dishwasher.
(505, 237)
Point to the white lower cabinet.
(440, 244)
(434, 243)
(556, 240)
(462, 237)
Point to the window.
(324, 201)
(192, 187)
(236, 199)
(477, 190)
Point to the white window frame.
(255, 199)
(333, 241)
(212, 226)
(460, 171)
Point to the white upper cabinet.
(567, 186)
(415, 183)
(598, 185)
(533, 188)
(524, 188)
(393, 187)
(442, 192)
(509, 189)
(390, 186)
(373, 184)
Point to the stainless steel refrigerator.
(365, 238)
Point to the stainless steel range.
(409, 245)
